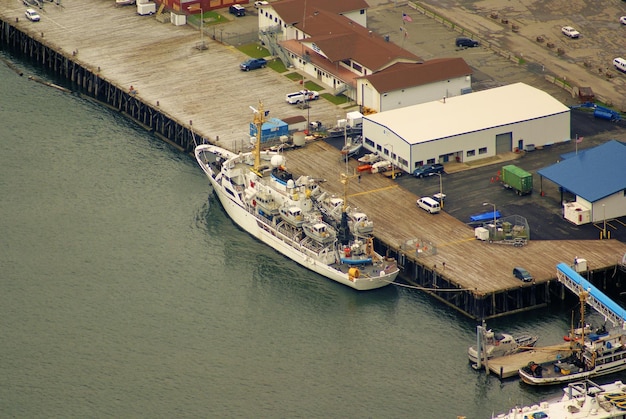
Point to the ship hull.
(326, 263)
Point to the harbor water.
(127, 292)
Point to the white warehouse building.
(467, 127)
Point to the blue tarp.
(486, 216)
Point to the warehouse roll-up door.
(504, 143)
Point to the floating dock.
(507, 366)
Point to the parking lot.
(466, 190)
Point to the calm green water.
(125, 291)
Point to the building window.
(369, 142)
(430, 161)
(403, 162)
(471, 153)
(482, 150)
(357, 67)
(379, 148)
(362, 11)
(419, 163)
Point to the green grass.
(277, 65)
(294, 76)
(254, 50)
(210, 18)
(335, 100)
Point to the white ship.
(261, 196)
(580, 400)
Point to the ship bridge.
(611, 311)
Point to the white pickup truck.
(297, 97)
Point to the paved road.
(467, 190)
(602, 39)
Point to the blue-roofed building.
(597, 177)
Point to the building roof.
(471, 112)
(340, 38)
(593, 173)
(404, 75)
(293, 11)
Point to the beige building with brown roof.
(329, 41)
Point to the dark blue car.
(428, 170)
(253, 64)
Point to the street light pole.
(604, 216)
(201, 29)
(494, 212)
(393, 173)
(440, 190)
(195, 7)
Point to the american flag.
(579, 140)
(406, 18)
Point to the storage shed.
(271, 129)
(467, 127)
(597, 178)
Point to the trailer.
(518, 179)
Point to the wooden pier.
(470, 275)
(508, 366)
(182, 94)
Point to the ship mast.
(258, 120)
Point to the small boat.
(593, 357)
(369, 158)
(319, 231)
(332, 209)
(352, 146)
(359, 224)
(339, 131)
(292, 215)
(495, 345)
(124, 2)
(582, 399)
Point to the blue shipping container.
(271, 129)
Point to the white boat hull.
(267, 234)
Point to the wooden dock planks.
(507, 366)
(471, 264)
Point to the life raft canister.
(353, 273)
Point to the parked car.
(428, 170)
(569, 31)
(429, 205)
(32, 15)
(622, 20)
(253, 64)
(258, 4)
(462, 41)
(620, 64)
(237, 10)
(522, 274)
(301, 96)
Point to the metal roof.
(593, 173)
(469, 113)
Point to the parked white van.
(429, 204)
(620, 64)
